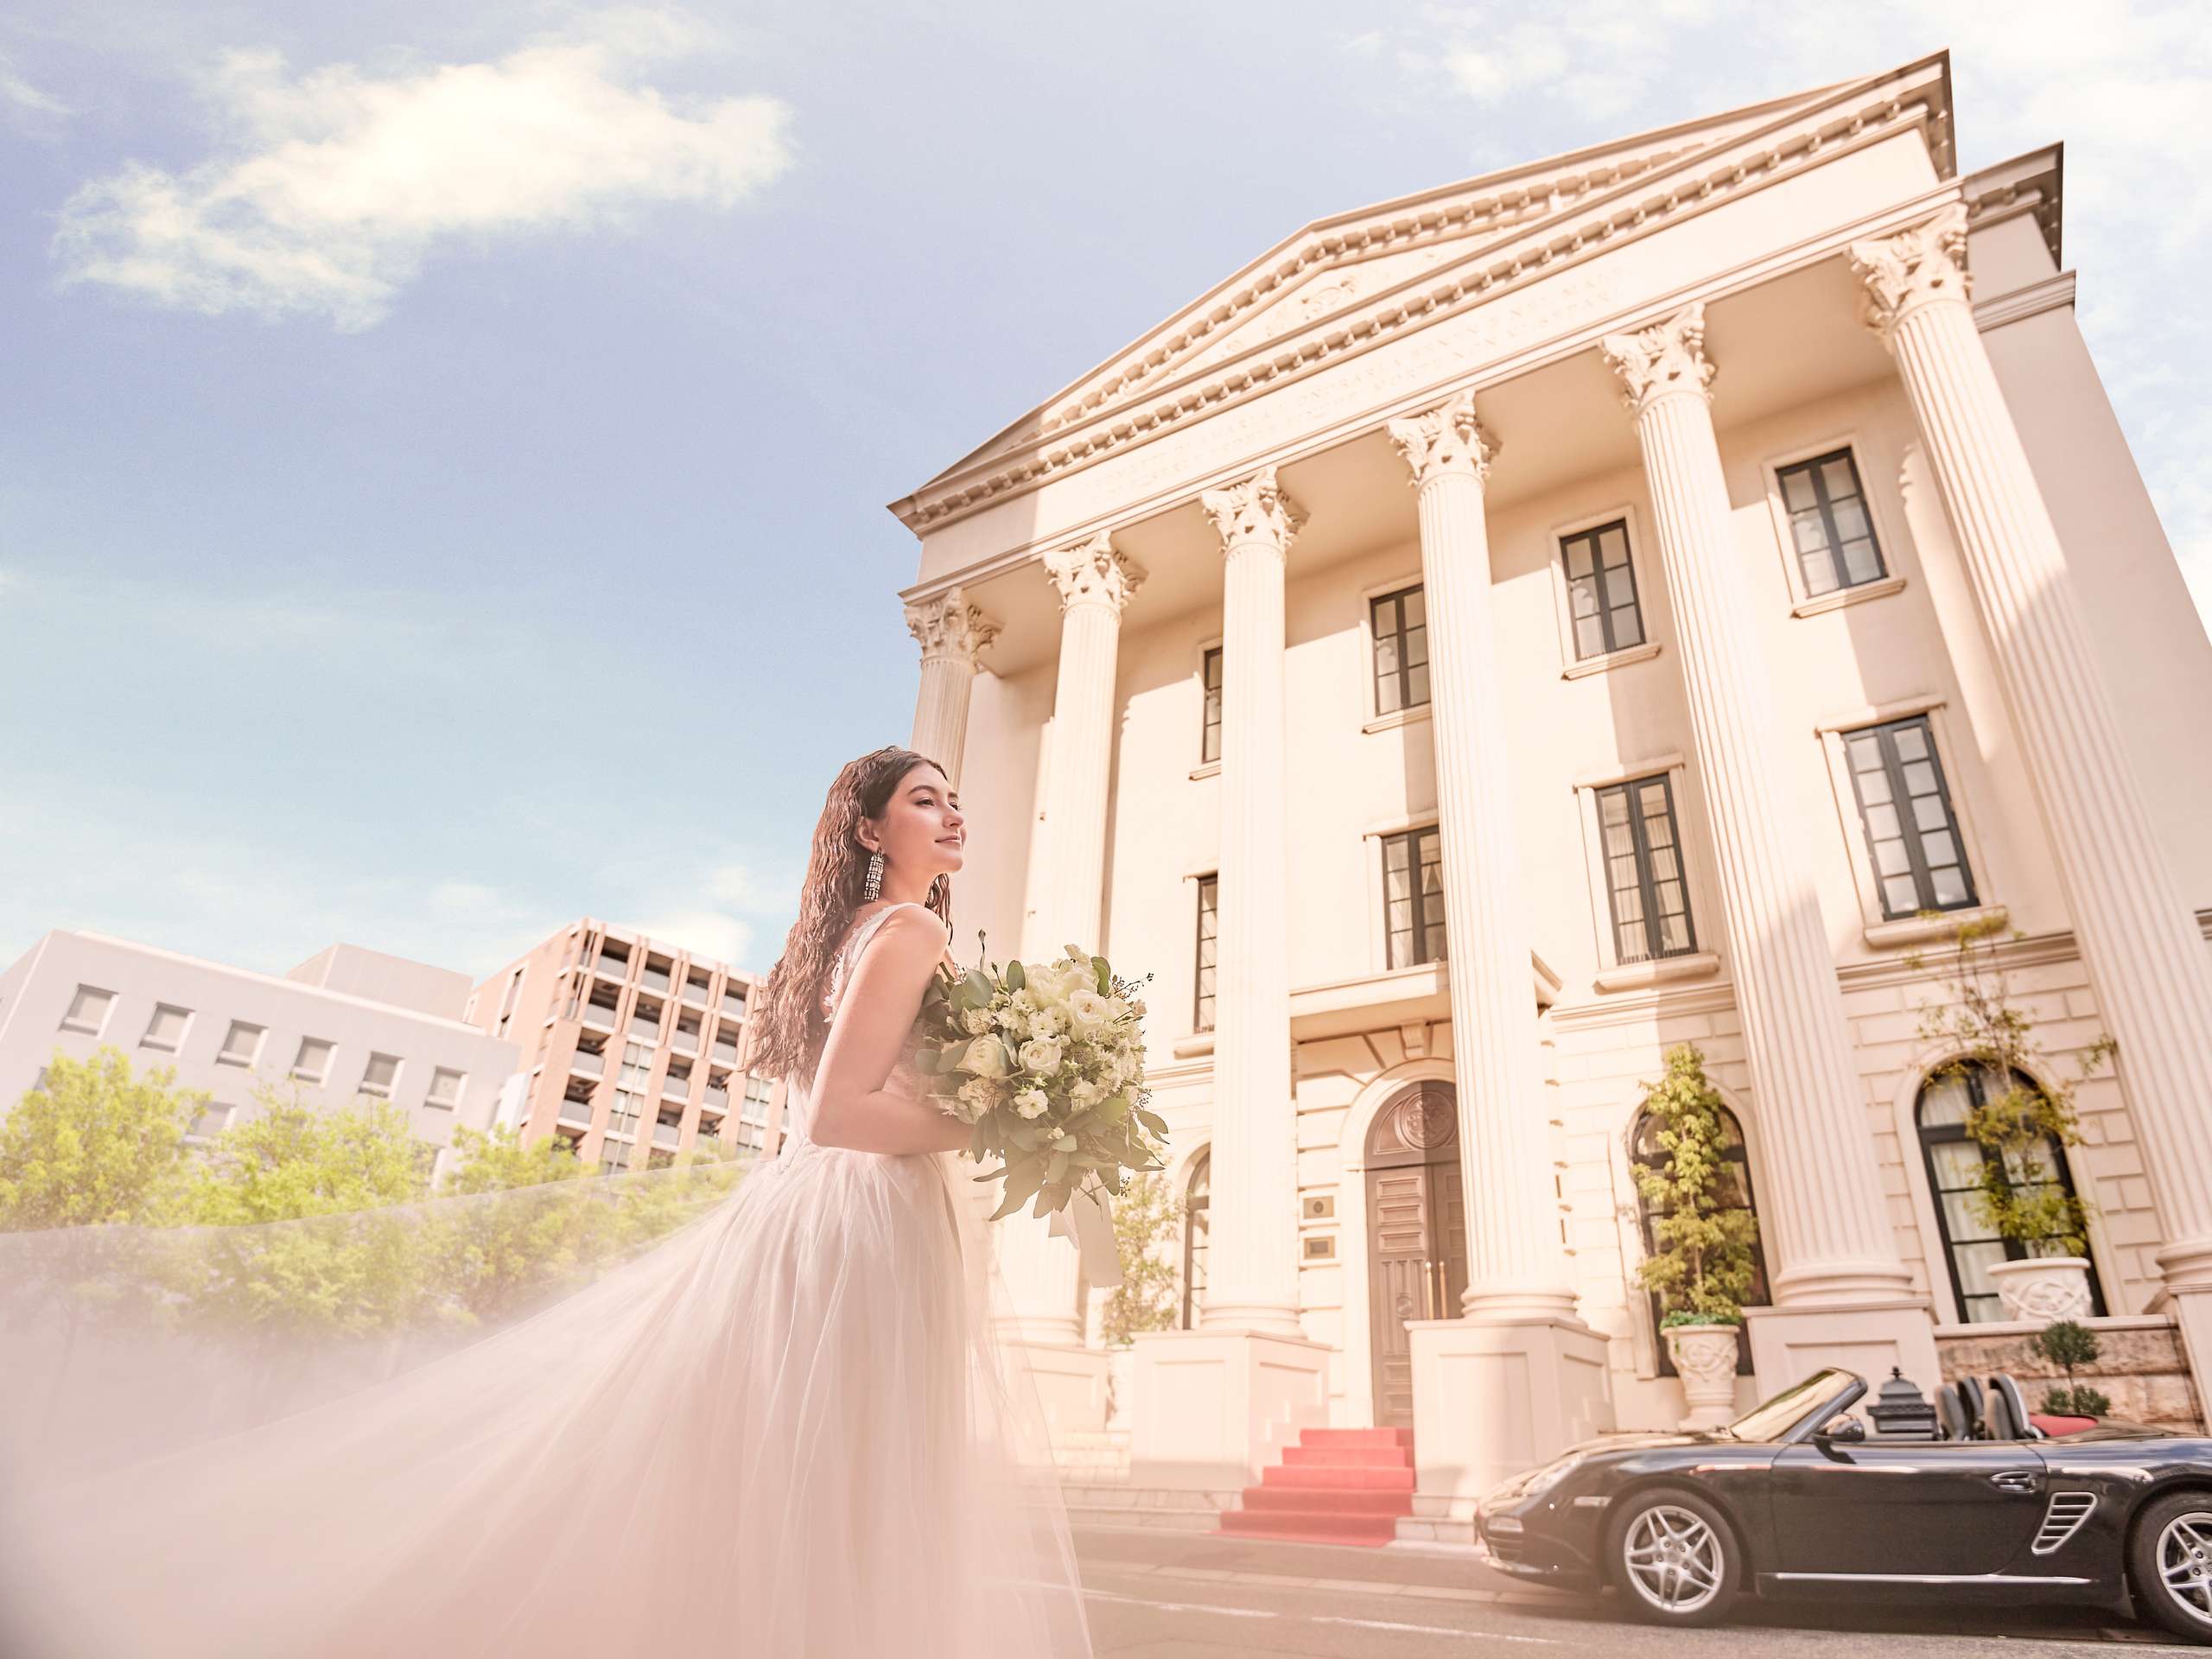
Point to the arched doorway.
(1416, 1234)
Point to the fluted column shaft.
(1093, 584)
(1822, 1210)
(1516, 1262)
(951, 633)
(2139, 942)
(1252, 1267)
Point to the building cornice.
(1695, 179)
(2052, 294)
(2033, 183)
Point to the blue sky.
(422, 429)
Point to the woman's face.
(920, 830)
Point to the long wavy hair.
(793, 1030)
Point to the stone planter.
(2043, 1288)
(1704, 1355)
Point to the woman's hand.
(866, 1097)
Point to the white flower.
(1045, 1022)
(986, 1058)
(1089, 1010)
(1031, 1103)
(977, 1094)
(1041, 1055)
(976, 1021)
(1086, 1093)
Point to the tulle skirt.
(782, 1428)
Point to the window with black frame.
(1646, 888)
(1413, 896)
(1209, 926)
(1400, 625)
(1912, 834)
(1955, 1164)
(1210, 722)
(1833, 532)
(1601, 590)
(1645, 1151)
(1196, 1220)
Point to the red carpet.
(1336, 1486)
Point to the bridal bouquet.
(1047, 1060)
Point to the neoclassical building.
(1504, 632)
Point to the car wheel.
(1675, 1558)
(2170, 1564)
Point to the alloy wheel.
(1672, 1559)
(2185, 1562)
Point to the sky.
(445, 448)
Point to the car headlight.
(1537, 1482)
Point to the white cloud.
(330, 189)
(29, 107)
(706, 933)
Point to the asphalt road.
(1163, 1595)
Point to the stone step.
(1319, 1478)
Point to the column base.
(1789, 1343)
(1492, 1398)
(1212, 1408)
(2188, 1270)
(1070, 1380)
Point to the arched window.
(1195, 1199)
(1955, 1173)
(1645, 1151)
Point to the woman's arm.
(852, 1107)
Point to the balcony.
(577, 1114)
(685, 1041)
(615, 968)
(643, 1031)
(695, 994)
(733, 1005)
(667, 1134)
(717, 1100)
(588, 1065)
(654, 979)
(676, 1088)
(725, 1049)
(599, 1016)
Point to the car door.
(1915, 1509)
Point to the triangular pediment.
(1334, 263)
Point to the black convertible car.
(1797, 1499)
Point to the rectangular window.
(1601, 590)
(165, 1030)
(241, 1044)
(1413, 896)
(758, 1091)
(1209, 731)
(446, 1085)
(1643, 871)
(208, 1123)
(1209, 926)
(382, 1074)
(614, 1154)
(312, 1064)
(1911, 833)
(88, 1010)
(1400, 623)
(1828, 522)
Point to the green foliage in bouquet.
(1046, 1062)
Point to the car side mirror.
(1849, 1431)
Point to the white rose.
(1031, 1103)
(976, 1021)
(986, 1058)
(1086, 1093)
(1041, 1055)
(1089, 1010)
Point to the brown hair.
(792, 1030)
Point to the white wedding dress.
(784, 1429)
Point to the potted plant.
(2019, 1119)
(1148, 1220)
(2066, 1345)
(1703, 1259)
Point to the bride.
(784, 1429)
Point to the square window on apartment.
(1210, 722)
(1912, 835)
(1828, 523)
(1400, 625)
(1645, 883)
(382, 1074)
(312, 1063)
(209, 1123)
(1413, 896)
(1209, 928)
(241, 1044)
(88, 1010)
(1601, 590)
(446, 1085)
(165, 1030)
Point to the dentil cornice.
(1902, 272)
(1666, 360)
(949, 625)
(1092, 573)
(1448, 440)
(1255, 510)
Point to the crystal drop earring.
(875, 882)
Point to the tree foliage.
(2066, 1343)
(1146, 1217)
(94, 1144)
(1703, 1261)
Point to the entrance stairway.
(1336, 1486)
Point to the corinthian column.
(1823, 1212)
(1093, 584)
(1252, 1269)
(2139, 942)
(1515, 1264)
(951, 633)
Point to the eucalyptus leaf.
(1015, 979)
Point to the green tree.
(1703, 1259)
(2066, 1345)
(94, 1145)
(1147, 1216)
(295, 1158)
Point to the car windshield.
(1770, 1419)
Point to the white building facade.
(1504, 632)
(347, 1023)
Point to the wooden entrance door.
(1416, 1234)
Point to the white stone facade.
(1447, 391)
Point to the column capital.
(1662, 361)
(1254, 511)
(1092, 573)
(1448, 440)
(1906, 271)
(949, 626)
